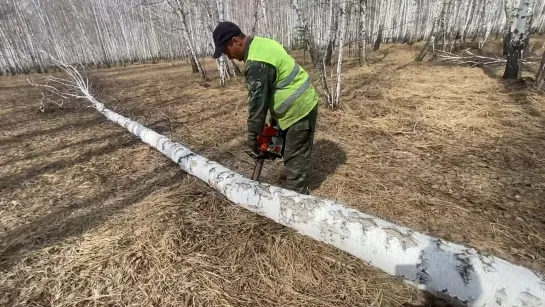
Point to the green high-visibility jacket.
(294, 95)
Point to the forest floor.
(89, 215)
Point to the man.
(275, 83)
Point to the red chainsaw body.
(270, 141)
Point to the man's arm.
(260, 78)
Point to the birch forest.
(105, 33)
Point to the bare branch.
(467, 57)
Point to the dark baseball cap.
(223, 32)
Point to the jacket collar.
(247, 47)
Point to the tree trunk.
(222, 62)
(190, 46)
(330, 40)
(337, 100)
(379, 38)
(265, 19)
(519, 32)
(236, 69)
(314, 53)
(99, 33)
(540, 76)
(432, 39)
(362, 41)
(420, 57)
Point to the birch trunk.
(452, 271)
(344, 12)
(265, 19)
(314, 53)
(111, 32)
(540, 76)
(329, 41)
(432, 39)
(191, 49)
(519, 32)
(362, 41)
(376, 46)
(221, 60)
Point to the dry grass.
(91, 216)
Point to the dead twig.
(467, 57)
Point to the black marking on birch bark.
(388, 241)
(488, 262)
(529, 300)
(301, 211)
(406, 240)
(500, 296)
(422, 276)
(164, 141)
(264, 189)
(438, 244)
(542, 277)
(245, 186)
(365, 223)
(229, 176)
(227, 187)
(328, 232)
(210, 171)
(188, 156)
(464, 267)
(175, 153)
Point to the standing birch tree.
(344, 12)
(519, 32)
(314, 53)
(362, 38)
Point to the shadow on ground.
(76, 217)
(327, 157)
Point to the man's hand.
(273, 121)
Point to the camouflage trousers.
(298, 142)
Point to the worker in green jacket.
(275, 83)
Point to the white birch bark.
(344, 12)
(362, 41)
(314, 53)
(265, 20)
(451, 271)
(329, 39)
(540, 76)
(222, 63)
(519, 32)
(178, 10)
(109, 32)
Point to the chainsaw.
(269, 147)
